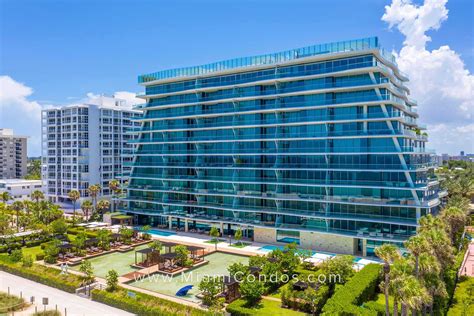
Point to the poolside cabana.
(167, 262)
(65, 247)
(115, 236)
(149, 257)
(168, 247)
(230, 289)
(91, 242)
(197, 253)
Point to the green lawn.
(32, 251)
(239, 245)
(264, 308)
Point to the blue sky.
(63, 50)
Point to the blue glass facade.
(317, 141)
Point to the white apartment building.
(20, 189)
(86, 144)
(13, 159)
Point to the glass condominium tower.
(318, 145)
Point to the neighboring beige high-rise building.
(13, 157)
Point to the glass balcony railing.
(267, 59)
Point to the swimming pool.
(270, 248)
(157, 232)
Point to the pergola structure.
(197, 253)
(64, 247)
(168, 246)
(230, 289)
(149, 257)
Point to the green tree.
(74, 195)
(114, 187)
(388, 253)
(16, 255)
(182, 255)
(103, 206)
(145, 232)
(104, 236)
(338, 269)
(17, 206)
(214, 233)
(86, 207)
(51, 251)
(80, 242)
(94, 191)
(59, 226)
(417, 245)
(252, 290)
(238, 270)
(210, 286)
(37, 195)
(455, 220)
(156, 245)
(5, 197)
(88, 271)
(112, 280)
(238, 235)
(126, 234)
(34, 170)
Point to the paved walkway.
(467, 267)
(74, 304)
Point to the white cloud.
(23, 115)
(439, 79)
(20, 113)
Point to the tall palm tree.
(86, 207)
(5, 197)
(399, 270)
(455, 219)
(388, 253)
(37, 195)
(17, 206)
(74, 195)
(94, 191)
(413, 295)
(417, 245)
(103, 205)
(114, 186)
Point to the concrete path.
(74, 304)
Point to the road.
(74, 304)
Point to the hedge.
(77, 230)
(144, 304)
(361, 288)
(463, 302)
(42, 274)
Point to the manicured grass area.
(264, 308)
(239, 245)
(463, 301)
(41, 274)
(33, 251)
(213, 241)
(144, 304)
(9, 303)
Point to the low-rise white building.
(20, 189)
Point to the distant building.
(20, 189)
(12, 155)
(86, 144)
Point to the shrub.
(27, 261)
(41, 274)
(252, 290)
(40, 256)
(16, 255)
(10, 303)
(463, 301)
(112, 280)
(308, 301)
(144, 305)
(361, 288)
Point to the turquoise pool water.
(158, 232)
(270, 248)
(218, 264)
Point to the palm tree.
(37, 195)
(74, 195)
(103, 205)
(86, 207)
(94, 191)
(388, 253)
(114, 186)
(455, 219)
(417, 245)
(17, 206)
(5, 197)
(412, 294)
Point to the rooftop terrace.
(269, 59)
